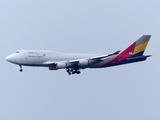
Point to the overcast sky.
(129, 92)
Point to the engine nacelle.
(61, 65)
(52, 68)
(83, 63)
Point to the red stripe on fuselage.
(122, 56)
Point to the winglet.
(117, 52)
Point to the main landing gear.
(21, 70)
(73, 71)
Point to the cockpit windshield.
(17, 52)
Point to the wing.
(77, 64)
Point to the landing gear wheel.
(21, 70)
(73, 71)
(68, 70)
(78, 72)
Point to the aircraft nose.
(10, 58)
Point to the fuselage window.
(17, 52)
(31, 56)
(31, 52)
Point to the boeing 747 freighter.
(73, 63)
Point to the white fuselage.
(40, 57)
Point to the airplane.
(73, 63)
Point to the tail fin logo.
(130, 53)
(140, 48)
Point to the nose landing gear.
(21, 70)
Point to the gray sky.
(129, 92)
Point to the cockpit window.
(17, 52)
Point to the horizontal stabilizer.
(135, 59)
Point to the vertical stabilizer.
(137, 48)
(133, 53)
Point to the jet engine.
(61, 65)
(83, 63)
